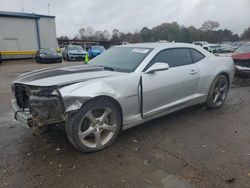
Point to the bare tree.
(246, 34)
(98, 35)
(90, 32)
(210, 25)
(82, 33)
(106, 35)
(116, 33)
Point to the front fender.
(74, 96)
(123, 89)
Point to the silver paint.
(142, 96)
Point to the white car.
(74, 52)
(213, 48)
(200, 43)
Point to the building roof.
(23, 15)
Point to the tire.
(218, 92)
(38, 60)
(68, 57)
(95, 126)
(68, 128)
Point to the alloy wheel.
(220, 91)
(97, 128)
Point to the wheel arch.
(227, 76)
(111, 99)
(214, 78)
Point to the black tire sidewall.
(78, 116)
(209, 102)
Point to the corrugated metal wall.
(47, 32)
(18, 34)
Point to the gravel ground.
(195, 147)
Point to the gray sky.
(131, 15)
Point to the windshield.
(205, 43)
(47, 51)
(245, 48)
(75, 48)
(124, 59)
(99, 48)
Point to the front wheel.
(218, 92)
(95, 126)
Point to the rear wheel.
(218, 92)
(95, 126)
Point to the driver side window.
(174, 57)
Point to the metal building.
(24, 34)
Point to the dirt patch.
(241, 82)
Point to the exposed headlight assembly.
(44, 92)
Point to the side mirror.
(157, 67)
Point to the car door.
(168, 89)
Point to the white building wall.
(47, 32)
(18, 34)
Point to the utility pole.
(48, 9)
(22, 10)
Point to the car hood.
(50, 55)
(77, 51)
(96, 51)
(241, 56)
(63, 76)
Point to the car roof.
(155, 45)
(166, 45)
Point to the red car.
(241, 59)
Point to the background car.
(74, 52)
(121, 88)
(227, 48)
(241, 57)
(213, 48)
(95, 51)
(48, 56)
(200, 43)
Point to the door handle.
(193, 71)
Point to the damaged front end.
(36, 107)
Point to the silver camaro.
(123, 87)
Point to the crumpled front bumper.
(24, 117)
(42, 111)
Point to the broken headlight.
(44, 92)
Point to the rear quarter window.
(196, 55)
